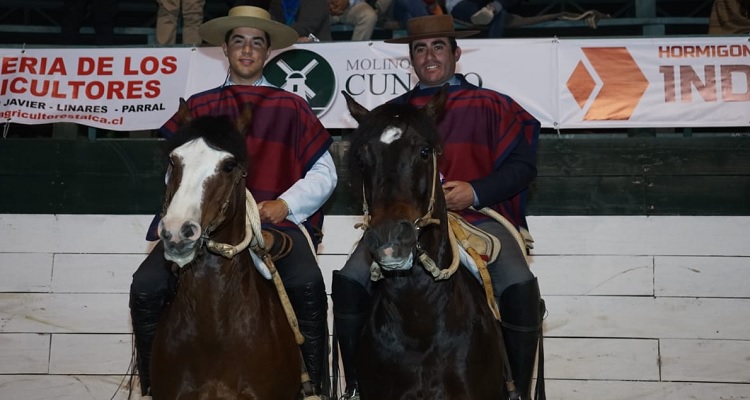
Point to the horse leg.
(351, 305)
(522, 310)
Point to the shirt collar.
(453, 81)
(260, 82)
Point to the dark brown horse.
(431, 334)
(225, 335)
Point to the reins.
(254, 240)
(252, 233)
(427, 262)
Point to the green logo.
(305, 74)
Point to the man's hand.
(337, 7)
(273, 211)
(458, 195)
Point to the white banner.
(576, 83)
(118, 88)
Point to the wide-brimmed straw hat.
(215, 30)
(431, 26)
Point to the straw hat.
(430, 26)
(215, 30)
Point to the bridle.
(252, 225)
(253, 235)
(427, 262)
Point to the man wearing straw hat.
(489, 160)
(294, 176)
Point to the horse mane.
(219, 132)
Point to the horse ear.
(355, 109)
(183, 115)
(243, 120)
(435, 107)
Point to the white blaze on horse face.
(391, 134)
(200, 162)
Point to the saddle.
(477, 248)
(469, 236)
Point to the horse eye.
(229, 166)
(425, 153)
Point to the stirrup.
(353, 395)
(308, 392)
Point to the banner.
(117, 89)
(680, 82)
(565, 83)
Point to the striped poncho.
(283, 141)
(490, 141)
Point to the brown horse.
(430, 334)
(225, 334)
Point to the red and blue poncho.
(490, 141)
(283, 141)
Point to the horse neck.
(214, 275)
(216, 292)
(212, 286)
(421, 305)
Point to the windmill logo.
(306, 74)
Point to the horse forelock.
(219, 132)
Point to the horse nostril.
(372, 239)
(164, 233)
(405, 232)
(190, 230)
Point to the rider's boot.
(351, 305)
(310, 303)
(522, 310)
(144, 313)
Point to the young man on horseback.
(488, 160)
(289, 195)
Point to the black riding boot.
(311, 307)
(351, 305)
(522, 309)
(144, 313)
